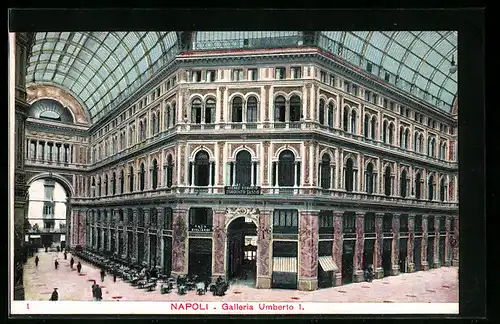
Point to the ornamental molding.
(237, 212)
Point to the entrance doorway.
(403, 255)
(167, 255)
(368, 255)
(242, 251)
(442, 255)
(430, 252)
(386, 257)
(200, 258)
(417, 253)
(347, 262)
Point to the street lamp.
(453, 66)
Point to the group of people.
(97, 291)
(369, 275)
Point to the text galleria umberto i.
(328, 168)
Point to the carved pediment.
(236, 212)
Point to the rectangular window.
(403, 223)
(296, 73)
(167, 223)
(237, 75)
(285, 221)
(392, 106)
(322, 76)
(387, 224)
(325, 248)
(349, 223)
(387, 77)
(285, 249)
(386, 103)
(354, 90)
(368, 95)
(370, 223)
(430, 224)
(196, 75)
(280, 73)
(200, 219)
(326, 222)
(369, 67)
(210, 76)
(418, 224)
(174, 80)
(347, 86)
(375, 99)
(407, 113)
(253, 74)
(332, 80)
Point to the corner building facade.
(330, 170)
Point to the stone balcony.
(44, 163)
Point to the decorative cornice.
(59, 128)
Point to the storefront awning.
(327, 263)
(282, 264)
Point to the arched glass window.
(93, 187)
(391, 133)
(433, 147)
(403, 185)
(387, 181)
(167, 117)
(174, 114)
(142, 177)
(154, 175)
(321, 112)
(210, 111)
(295, 108)
(407, 138)
(201, 169)
(415, 143)
(153, 123)
(286, 169)
(279, 109)
(384, 131)
(418, 186)
(369, 181)
(141, 130)
(374, 128)
(349, 175)
(366, 124)
(450, 190)
(401, 136)
(345, 119)
(430, 188)
(113, 184)
(354, 116)
(122, 181)
(243, 168)
(252, 111)
(196, 111)
(442, 190)
(237, 110)
(331, 114)
(99, 187)
(170, 169)
(325, 171)
(131, 177)
(428, 146)
(421, 143)
(106, 192)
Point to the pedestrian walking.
(71, 262)
(55, 295)
(58, 249)
(65, 255)
(79, 267)
(56, 264)
(94, 286)
(98, 293)
(103, 273)
(36, 261)
(114, 276)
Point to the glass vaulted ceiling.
(417, 62)
(99, 68)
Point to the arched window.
(93, 187)
(122, 181)
(325, 172)
(428, 146)
(210, 111)
(450, 190)
(170, 169)
(167, 117)
(237, 110)
(401, 137)
(345, 120)
(99, 187)
(366, 124)
(403, 184)
(418, 186)
(433, 147)
(142, 177)
(349, 175)
(374, 129)
(387, 181)
(201, 169)
(243, 168)
(131, 177)
(353, 122)
(295, 108)
(331, 115)
(153, 123)
(252, 111)
(391, 133)
(279, 109)
(196, 111)
(106, 192)
(369, 181)
(430, 187)
(113, 184)
(421, 142)
(154, 175)
(407, 138)
(141, 130)
(445, 149)
(415, 143)
(106, 149)
(384, 131)
(440, 151)
(174, 114)
(442, 190)
(286, 169)
(321, 112)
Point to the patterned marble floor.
(436, 285)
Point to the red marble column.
(425, 237)
(179, 241)
(338, 246)
(411, 242)
(308, 276)
(456, 250)
(219, 239)
(447, 247)
(264, 236)
(395, 245)
(359, 248)
(379, 271)
(435, 254)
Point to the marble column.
(135, 251)
(219, 244)
(379, 271)
(395, 245)
(308, 272)
(447, 247)
(159, 236)
(411, 242)
(338, 246)
(180, 241)
(358, 275)
(436, 252)
(425, 237)
(264, 252)
(456, 234)
(147, 237)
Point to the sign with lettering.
(200, 228)
(240, 190)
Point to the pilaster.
(411, 242)
(395, 245)
(264, 252)
(425, 237)
(180, 241)
(308, 231)
(358, 274)
(338, 247)
(379, 271)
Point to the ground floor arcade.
(297, 249)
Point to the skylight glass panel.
(85, 55)
(412, 61)
(44, 57)
(379, 40)
(391, 65)
(430, 37)
(396, 51)
(155, 53)
(425, 69)
(58, 78)
(150, 39)
(132, 75)
(64, 36)
(433, 89)
(128, 64)
(170, 39)
(419, 48)
(59, 46)
(39, 36)
(406, 73)
(373, 54)
(353, 42)
(48, 47)
(138, 52)
(52, 66)
(333, 35)
(420, 82)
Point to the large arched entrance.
(241, 250)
